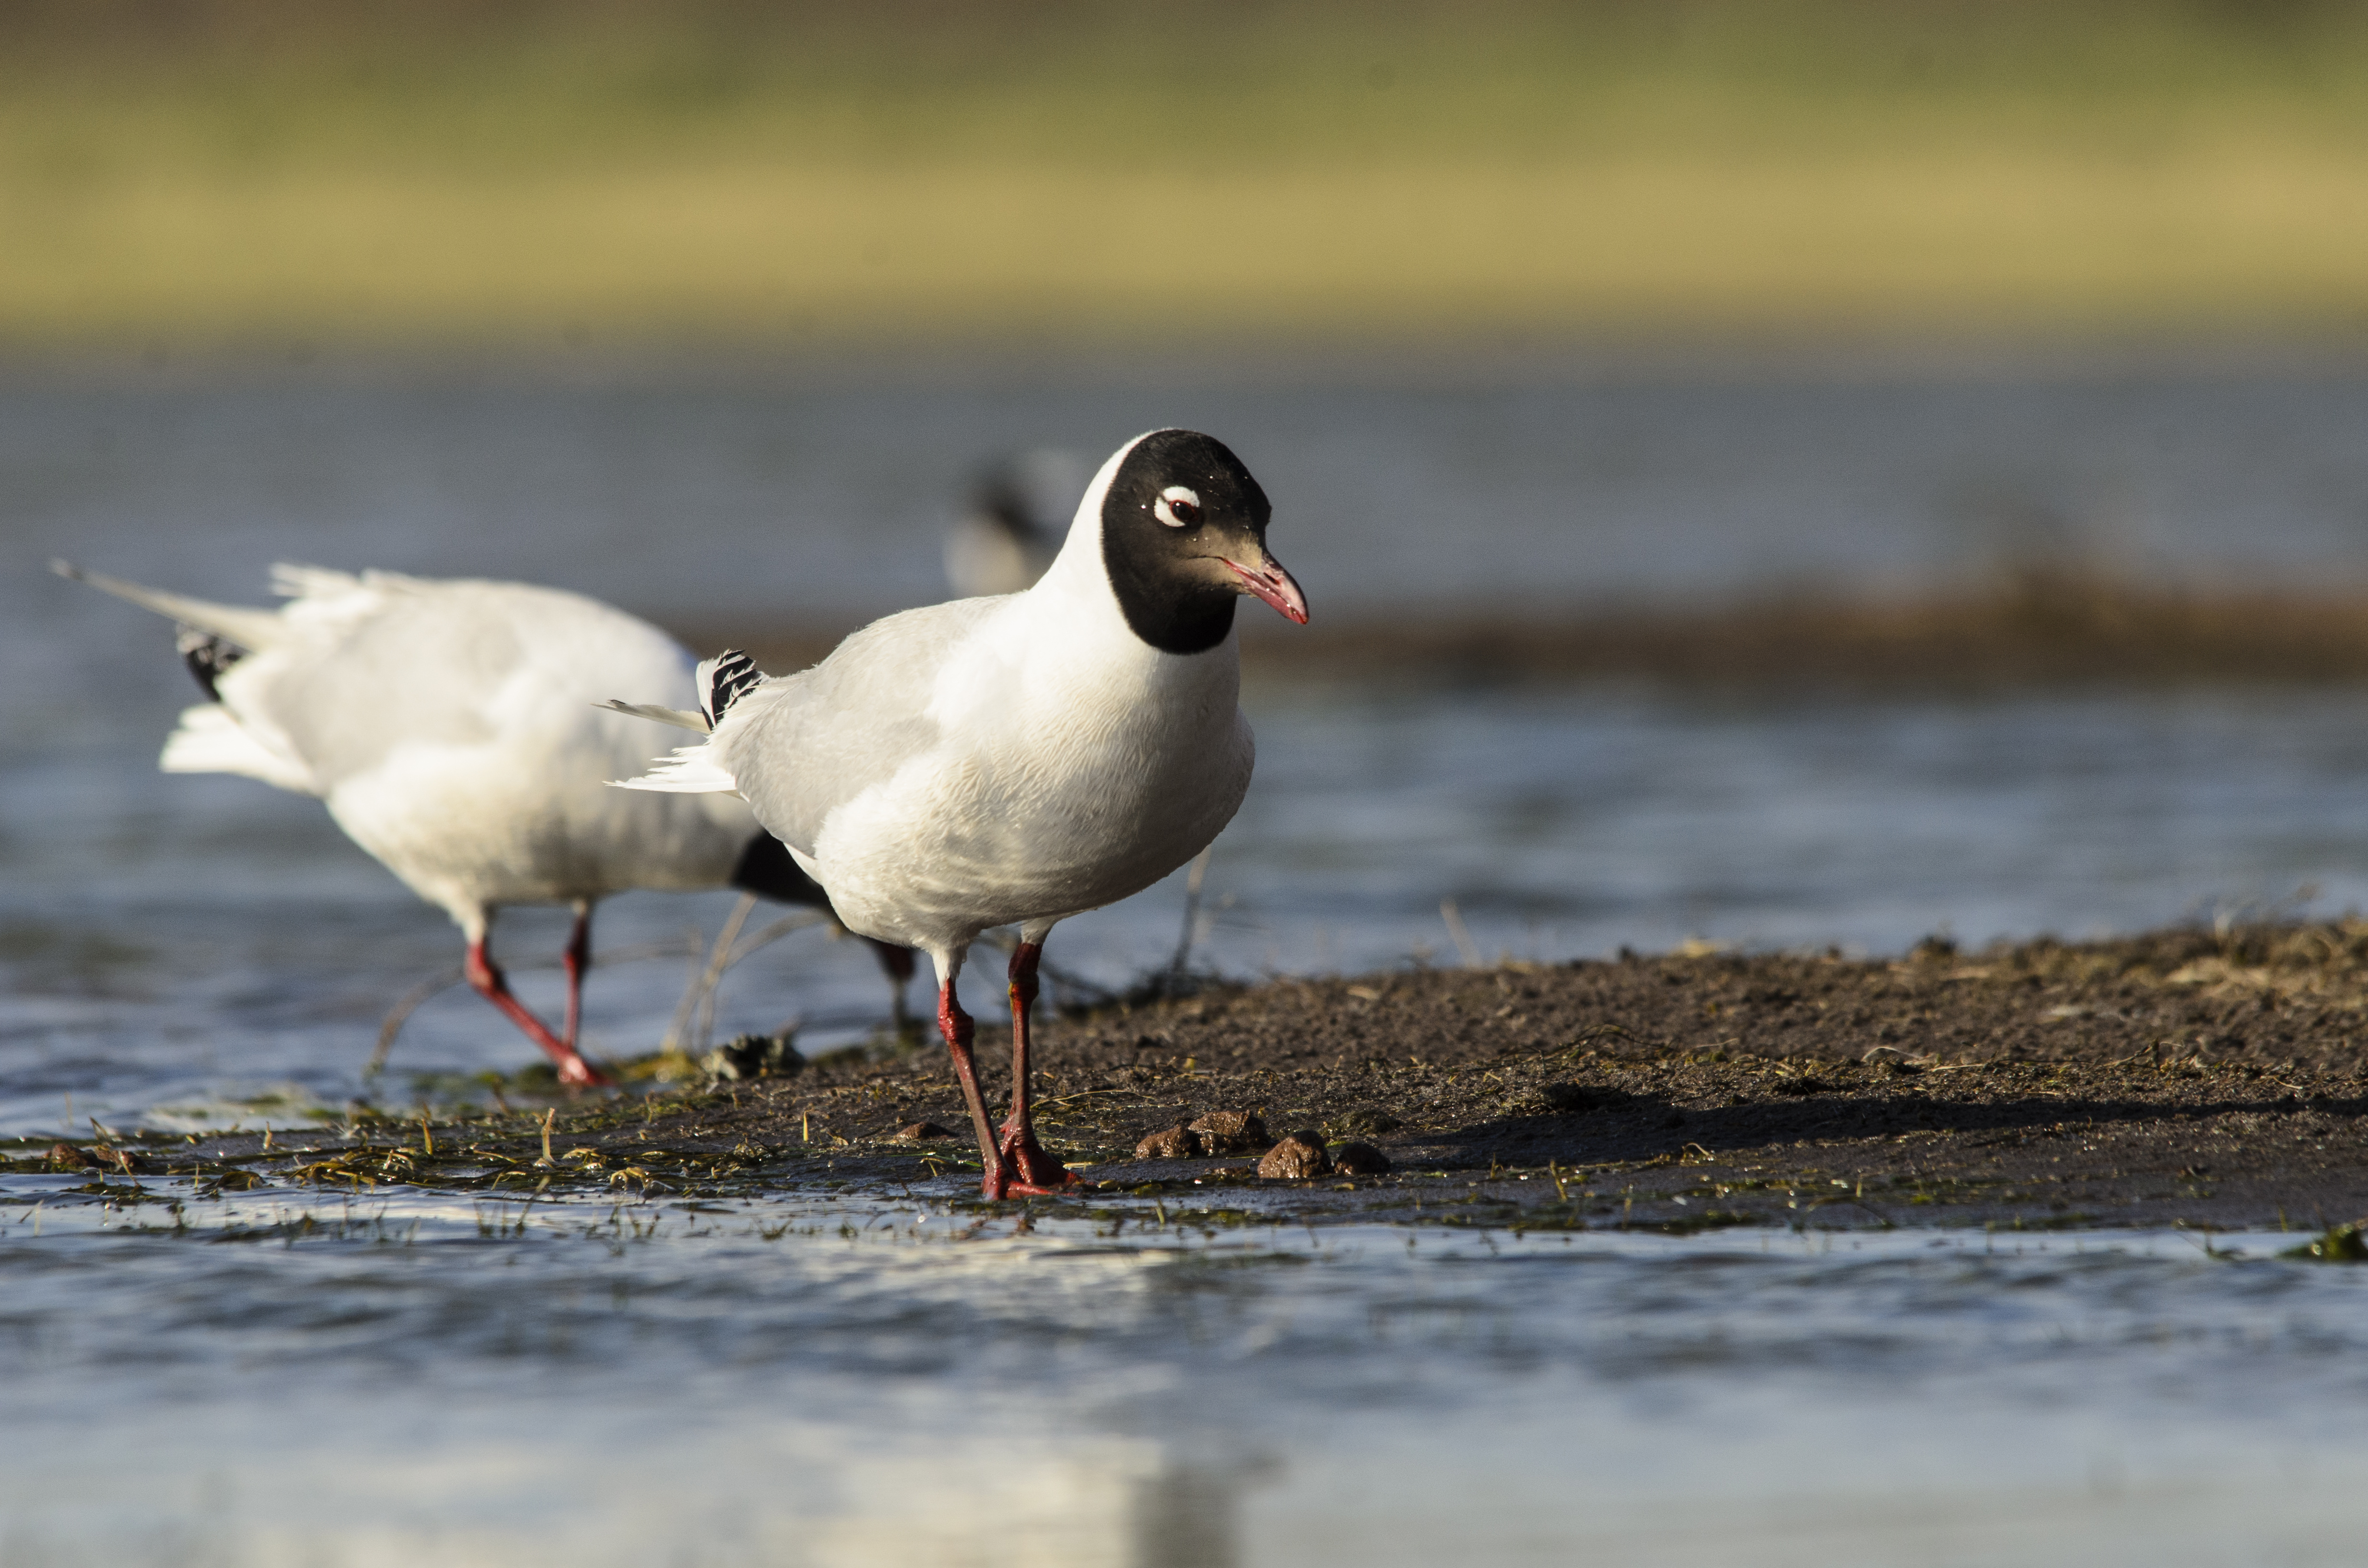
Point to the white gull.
(449, 725)
(1015, 760)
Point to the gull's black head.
(1184, 537)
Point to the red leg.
(956, 1026)
(1038, 1171)
(576, 960)
(574, 1069)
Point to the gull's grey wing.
(411, 672)
(811, 741)
(437, 663)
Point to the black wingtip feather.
(735, 672)
(207, 658)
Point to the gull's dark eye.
(1178, 506)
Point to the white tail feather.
(691, 770)
(253, 630)
(209, 741)
(681, 718)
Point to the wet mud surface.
(2194, 1077)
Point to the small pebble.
(1177, 1142)
(1231, 1132)
(1360, 1159)
(920, 1131)
(1301, 1154)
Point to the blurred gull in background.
(450, 727)
(1013, 529)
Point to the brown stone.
(1231, 1132)
(920, 1133)
(1360, 1159)
(1177, 1142)
(1301, 1154)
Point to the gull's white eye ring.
(1178, 506)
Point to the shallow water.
(868, 1380)
(708, 497)
(837, 1378)
(178, 942)
(174, 941)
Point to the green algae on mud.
(2340, 1244)
(2206, 1078)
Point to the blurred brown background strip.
(239, 174)
(2038, 629)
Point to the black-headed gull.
(1016, 760)
(450, 727)
(1010, 533)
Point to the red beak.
(1276, 586)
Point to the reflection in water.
(1188, 1514)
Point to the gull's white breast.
(1071, 769)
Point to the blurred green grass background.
(227, 173)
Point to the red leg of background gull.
(1037, 1170)
(574, 1069)
(575, 960)
(956, 1026)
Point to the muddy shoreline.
(2040, 626)
(2210, 1079)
